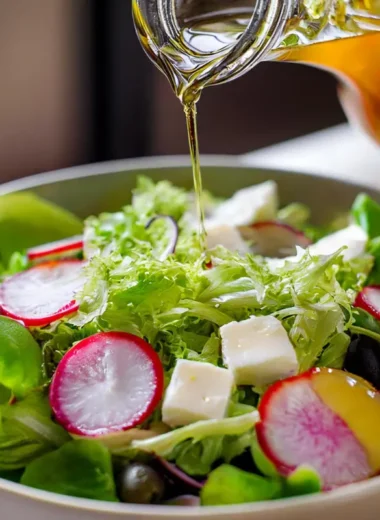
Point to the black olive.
(363, 359)
(140, 484)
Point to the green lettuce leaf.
(27, 220)
(365, 320)
(353, 275)
(243, 400)
(20, 358)
(295, 214)
(80, 468)
(210, 352)
(229, 485)
(366, 213)
(312, 329)
(5, 394)
(27, 431)
(18, 262)
(334, 354)
(199, 458)
(163, 445)
(365, 324)
(303, 481)
(163, 198)
(263, 464)
(374, 251)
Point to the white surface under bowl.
(91, 189)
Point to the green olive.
(140, 484)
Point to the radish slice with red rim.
(274, 239)
(108, 382)
(297, 426)
(172, 233)
(60, 248)
(369, 300)
(42, 294)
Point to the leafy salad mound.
(176, 301)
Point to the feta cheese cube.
(249, 205)
(226, 236)
(197, 391)
(353, 236)
(258, 351)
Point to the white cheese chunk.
(197, 391)
(249, 205)
(258, 351)
(353, 236)
(226, 236)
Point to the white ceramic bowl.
(91, 189)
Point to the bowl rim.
(119, 165)
(156, 163)
(345, 494)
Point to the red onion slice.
(173, 233)
(176, 472)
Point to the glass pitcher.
(197, 43)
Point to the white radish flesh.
(44, 293)
(109, 382)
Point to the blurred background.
(75, 88)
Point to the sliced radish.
(274, 239)
(61, 248)
(369, 300)
(106, 383)
(299, 425)
(42, 294)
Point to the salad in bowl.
(145, 369)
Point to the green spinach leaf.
(27, 432)
(27, 220)
(20, 358)
(366, 213)
(80, 468)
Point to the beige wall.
(42, 105)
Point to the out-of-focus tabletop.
(340, 151)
